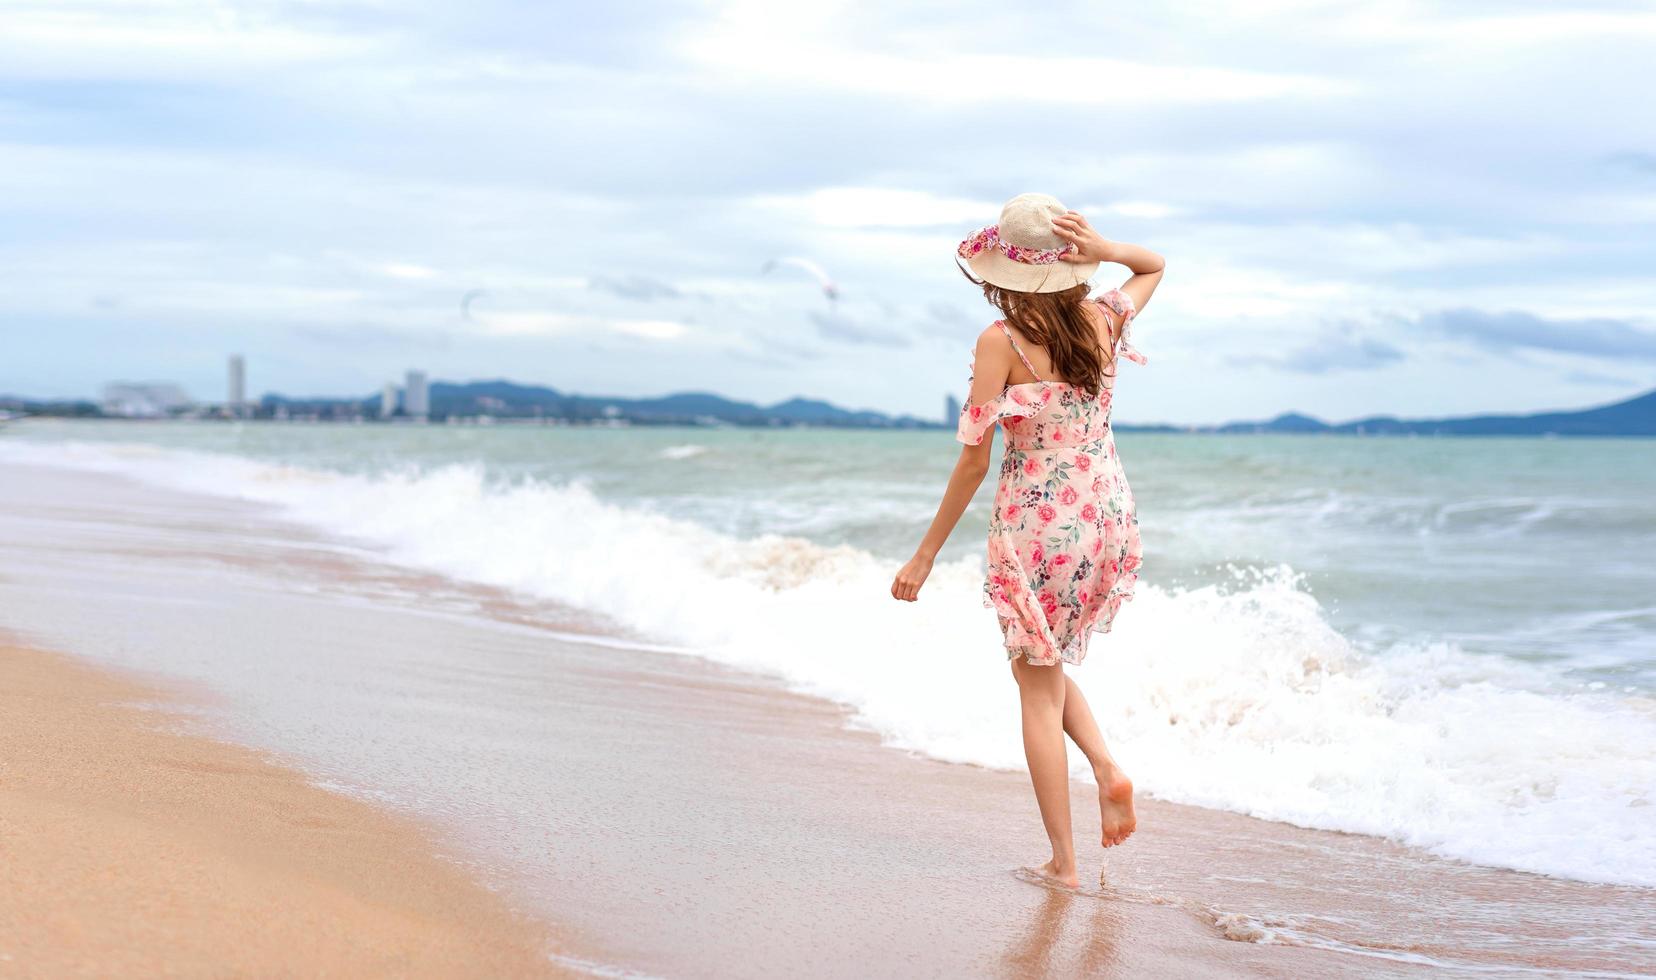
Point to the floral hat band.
(991, 239)
(1023, 251)
(987, 238)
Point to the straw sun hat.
(1023, 252)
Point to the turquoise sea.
(1449, 642)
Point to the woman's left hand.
(910, 577)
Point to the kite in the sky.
(829, 288)
(466, 302)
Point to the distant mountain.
(1289, 422)
(16, 406)
(506, 391)
(1633, 417)
(815, 412)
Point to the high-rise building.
(951, 410)
(235, 402)
(416, 396)
(388, 400)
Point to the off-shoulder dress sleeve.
(976, 420)
(1121, 305)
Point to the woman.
(1063, 540)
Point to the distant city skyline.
(1363, 211)
(160, 398)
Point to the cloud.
(369, 336)
(1639, 163)
(878, 207)
(824, 47)
(159, 39)
(1516, 330)
(1153, 210)
(532, 323)
(248, 167)
(846, 329)
(909, 324)
(949, 320)
(637, 287)
(1341, 348)
(777, 352)
(407, 270)
(1601, 380)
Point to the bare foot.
(1115, 805)
(1051, 873)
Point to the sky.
(1406, 208)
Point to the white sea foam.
(1242, 698)
(689, 450)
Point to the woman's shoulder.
(993, 343)
(994, 333)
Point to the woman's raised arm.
(1090, 246)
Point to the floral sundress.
(1064, 548)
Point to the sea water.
(1446, 642)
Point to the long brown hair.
(1057, 322)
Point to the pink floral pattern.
(1064, 549)
(1121, 305)
(989, 237)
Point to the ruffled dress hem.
(1044, 651)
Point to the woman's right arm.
(969, 471)
(991, 367)
(1147, 269)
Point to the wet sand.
(133, 850)
(676, 818)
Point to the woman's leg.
(1041, 693)
(1115, 790)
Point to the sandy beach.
(134, 850)
(656, 814)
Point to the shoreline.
(133, 848)
(686, 819)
